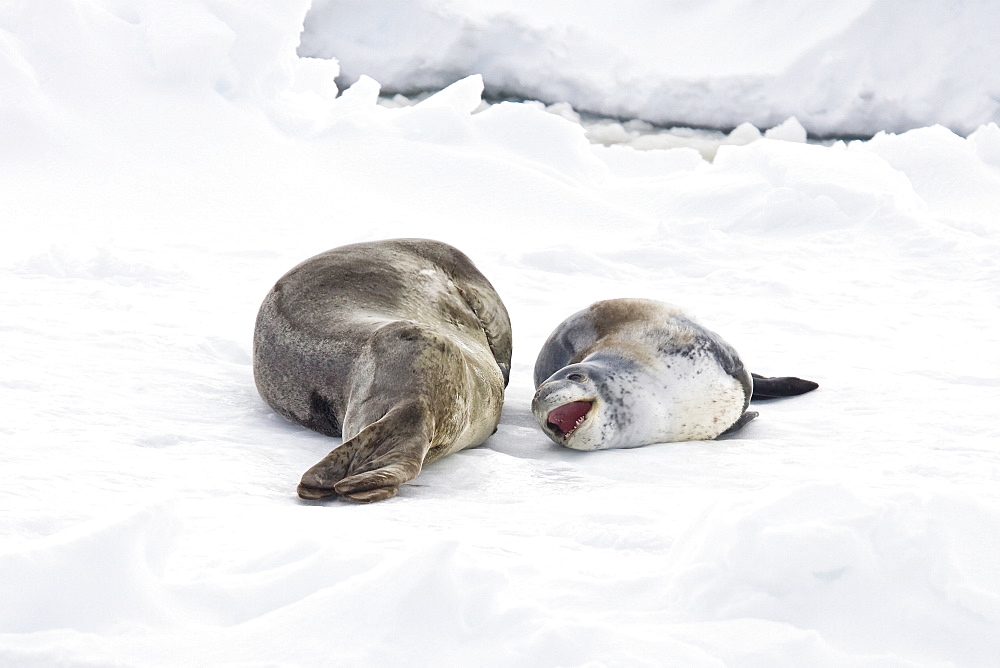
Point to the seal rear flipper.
(318, 482)
(372, 465)
(381, 483)
(742, 422)
(786, 386)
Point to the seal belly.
(697, 401)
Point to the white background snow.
(162, 164)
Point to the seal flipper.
(742, 422)
(317, 482)
(372, 465)
(786, 386)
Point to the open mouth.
(565, 419)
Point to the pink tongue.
(565, 416)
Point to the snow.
(846, 68)
(163, 166)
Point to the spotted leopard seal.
(628, 372)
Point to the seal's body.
(628, 372)
(401, 346)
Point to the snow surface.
(162, 164)
(854, 67)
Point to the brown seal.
(400, 346)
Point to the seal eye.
(576, 377)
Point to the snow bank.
(164, 168)
(848, 68)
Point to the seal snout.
(565, 419)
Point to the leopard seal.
(628, 372)
(401, 346)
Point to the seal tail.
(782, 386)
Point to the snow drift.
(847, 68)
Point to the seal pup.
(629, 372)
(400, 346)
